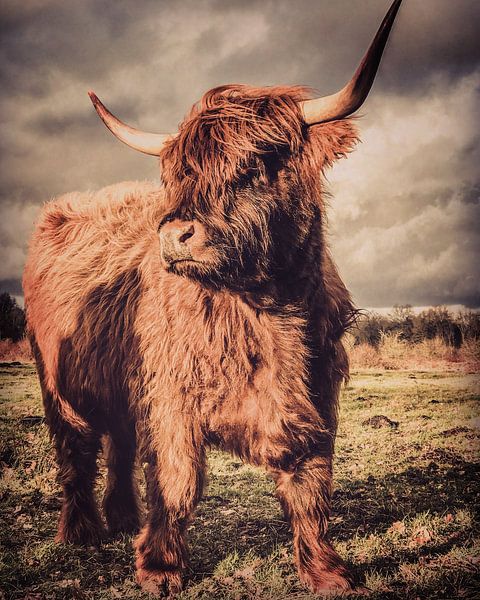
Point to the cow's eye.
(166, 219)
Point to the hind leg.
(120, 502)
(77, 446)
(77, 452)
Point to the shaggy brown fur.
(238, 348)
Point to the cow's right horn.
(351, 97)
(149, 143)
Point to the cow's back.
(82, 284)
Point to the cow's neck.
(300, 283)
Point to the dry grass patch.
(405, 505)
(394, 353)
(15, 351)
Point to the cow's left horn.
(149, 143)
(353, 95)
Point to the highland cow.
(204, 312)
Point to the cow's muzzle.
(177, 240)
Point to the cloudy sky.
(404, 216)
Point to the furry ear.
(333, 140)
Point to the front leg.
(304, 491)
(175, 473)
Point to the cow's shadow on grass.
(252, 525)
(375, 503)
(361, 508)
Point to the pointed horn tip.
(93, 97)
(344, 103)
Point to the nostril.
(186, 234)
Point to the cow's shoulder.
(86, 239)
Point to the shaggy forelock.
(225, 138)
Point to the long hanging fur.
(242, 353)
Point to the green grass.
(405, 506)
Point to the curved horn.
(149, 143)
(350, 98)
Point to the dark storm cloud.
(405, 202)
(407, 206)
(322, 41)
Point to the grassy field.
(405, 506)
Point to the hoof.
(80, 527)
(330, 584)
(160, 583)
(121, 517)
(341, 593)
(81, 536)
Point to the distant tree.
(369, 329)
(402, 321)
(438, 322)
(401, 312)
(469, 324)
(12, 318)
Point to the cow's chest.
(237, 369)
(218, 365)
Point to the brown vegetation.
(11, 351)
(394, 353)
(391, 354)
